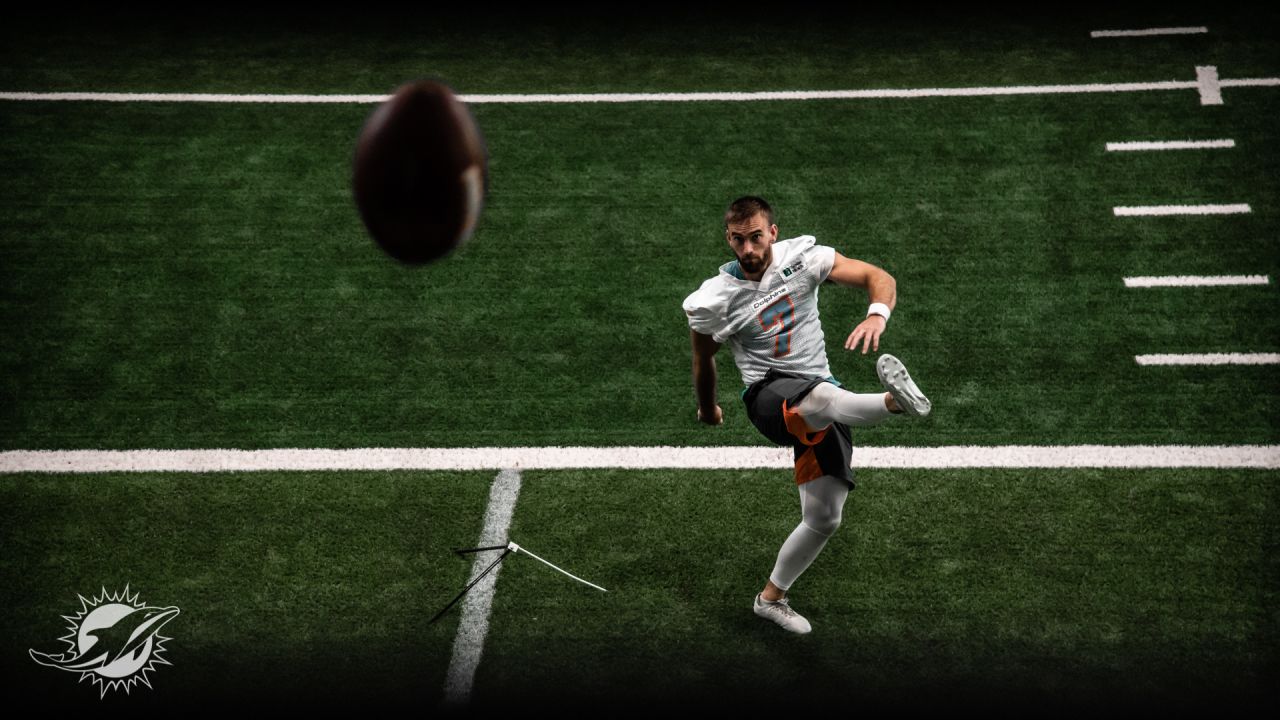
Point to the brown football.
(420, 173)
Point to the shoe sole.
(895, 378)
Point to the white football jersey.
(772, 323)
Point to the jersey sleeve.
(707, 311)
(821, 258)
(804, 251)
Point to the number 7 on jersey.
(781, 312)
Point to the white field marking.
(1210, 359)
(1255, 82)
(468, 645)
(194, 98)
(1149, 281)
(1169, 145)
(557, 458)
(1208, 84)
(650, 97)
(1150, 210)
(1148, 31)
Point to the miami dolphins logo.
(114, 641)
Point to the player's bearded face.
(752, 241)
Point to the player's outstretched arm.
(704, 377)
(882, 290)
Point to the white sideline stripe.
(842, 94)
(1146, 281)
(1150, 210)
(468, 645)
(1169, 145)
(1148, 31)
(1210, 359)
(559, 458)
(515, 98)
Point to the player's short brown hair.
(745, 208)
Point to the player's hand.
(714, 418)
(868, 333)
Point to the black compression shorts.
(770, 406)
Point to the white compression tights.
(827, 403)
(821, 506)
(822, 499)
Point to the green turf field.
(195, 276)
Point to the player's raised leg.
(827, 403)
(895, 378)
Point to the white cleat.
(894, 377)
(781, 613)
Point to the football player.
(764, 305)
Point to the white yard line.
(1210, 359)
(1146, 32)
(1149, 281)
(1255, 82)
(1203, 84)
(1169, 145)
(468, 645)
(555, 458)
(1154, 210)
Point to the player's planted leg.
(821, 506)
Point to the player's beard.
(756, 263)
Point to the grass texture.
(196, 276)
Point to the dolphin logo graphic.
(114, 643)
